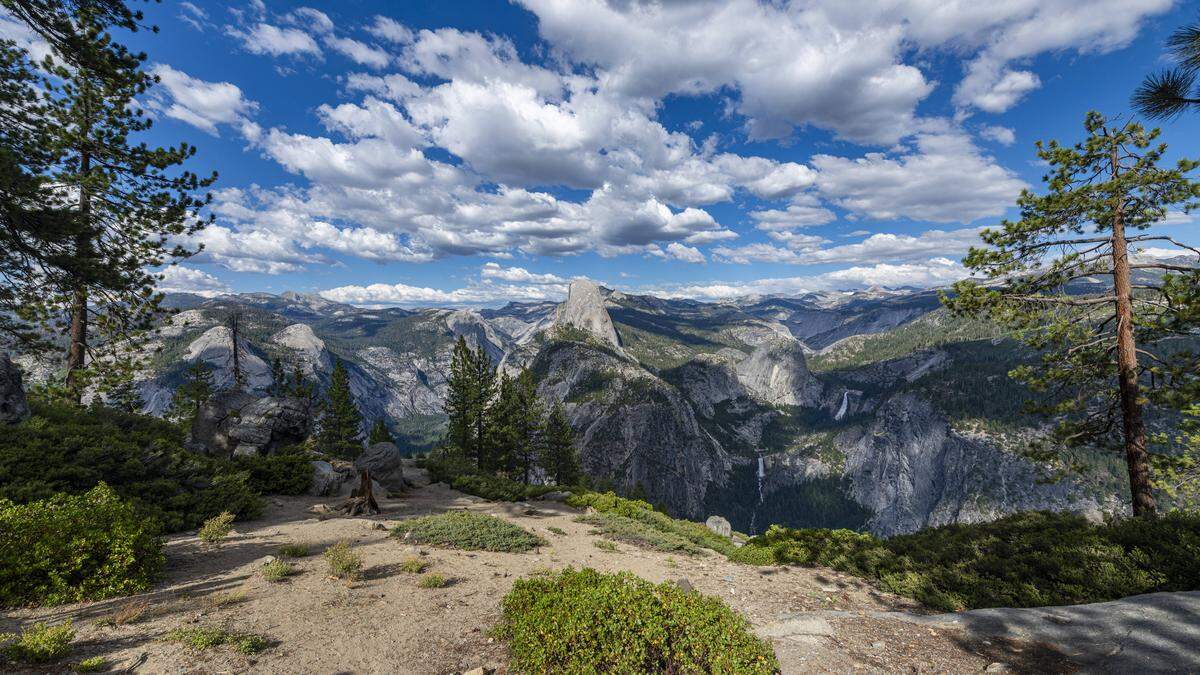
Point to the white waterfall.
(845, 403)
(762, 473)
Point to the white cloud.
(359, 52)
(264, 38)
(999, 134)
(678, 251)
(180, 279)
(879, 247)
(202, 104)
(493, 270)
(312, 19)
(944, 179)
(390, 30)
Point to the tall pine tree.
(1105, 354)
(559, 458)
(194, 392)
(459, 398)
(483, 390)
(379, 433)
(341, 423)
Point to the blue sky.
(438, 153)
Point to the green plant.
(557, 530)
(227, 599)
(65, 448)
(1025, 560)
(216, 528)
(638, 533)
(92, 664)
(414, 565)
(293, 550)
(201, 638)
(39, 643)
(468, 531)
(278, 570)
(645, 514)
(498, 488)
(628, 625)
(432, 580)
(75, 547)
(605, 545)
(288, 472)
(129, 612)
(344, 562)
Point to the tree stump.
(362, 499)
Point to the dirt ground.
(385, 623)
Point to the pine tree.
(459, 398)
(1102, 353)
(341, 432)
(503, 429)
(279, 381)
(233, 321)
(194, 392)
(559, 457)
(127, 201)
(483, 390)
(379, 433)
(124, 396)
(1169, 93)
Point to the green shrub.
(216, 528)
(289, 472)
(644, 513)
(1025, 560)
(63, 448)
(75, 547)
(638, 533)
(38, 644)
(432, 581)
(206, 637)
(293, 550)
(344, 562)
(499, 489)
(278, 570)
(468, 531)
(92, 664)
(414, 565)
(557, 530)
(605, 545)
(584, 621)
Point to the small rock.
(997, 667)
(480, 671)
(685, 585)
(378, 526)
(877, 645)
(720, 526)
(320, 509)
(265, 560)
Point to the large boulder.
(719, 526)
(238, 423)
(13, 406)
(327, 480)
(385, 463)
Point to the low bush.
(1025, 560)
(75, 547)
(227, 599)
(293, 550)
(92, 664)
(605, 545)
(499, 488)
(278, 570)
(620, 623)
(129, 612)
(216, 528)
(39, 643)
(644, 513)
(344, 562)
(557, 530)
(638, 533)
(288, 472)
(432, 581)
(468, 531)
(206, 637)
(414, 565)
(63, 448)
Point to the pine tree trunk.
(1134, 428)
(77, 352)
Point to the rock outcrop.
(584, 309)
(777, 374)
(13, 406)
(385, 463)
(307, 350)
(215, 347)
(240, 423)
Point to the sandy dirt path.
(817, 620)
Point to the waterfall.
(762, 473)
(845, 403)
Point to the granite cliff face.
(867, 410)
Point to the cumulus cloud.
(201, 104)
(264, 38)
(881, 246)
(999, 134)
(359, 52)
(181, 279)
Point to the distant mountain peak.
(584, 309)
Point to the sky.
(432, 153)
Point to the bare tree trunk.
(77, 352)
(1136, 457)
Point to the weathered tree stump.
(362, 500)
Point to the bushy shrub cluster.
(468, 531)
(344, 562)
(75, 547)
(499, 489)
(62, 448)
(639, 534)
(38, 644)
(1025, 560)
(206, 637)
(644, 513)
(585, 621)
(288, 472)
